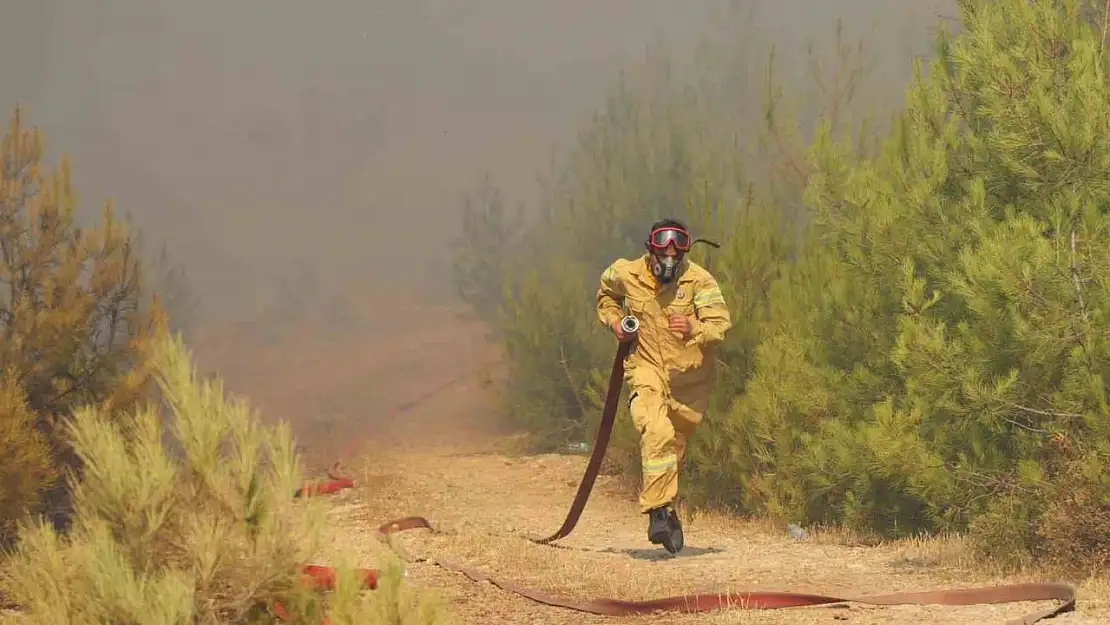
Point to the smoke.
(295, 154)
(259, 137)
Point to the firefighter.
(671, 369)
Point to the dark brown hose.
(604, 431)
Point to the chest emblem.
(681, 294)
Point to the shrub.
(25, 460)
(187, 518)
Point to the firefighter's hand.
(622, 336)
(681, 325)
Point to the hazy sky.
(255, 134)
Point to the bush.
(25, 459)
(1072, 531)
(203, 531)
(76, 328)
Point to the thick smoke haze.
(259, 138)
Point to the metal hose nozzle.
(630, 324)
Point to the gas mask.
(665, 268)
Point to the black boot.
(664, 528)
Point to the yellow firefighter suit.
(669, 378)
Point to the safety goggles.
(663, 237)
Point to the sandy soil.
(411, 417)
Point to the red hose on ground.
(335, 484)
(324, 577)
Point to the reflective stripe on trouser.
(665, 426)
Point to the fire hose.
(324, 577)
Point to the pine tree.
(76, 329)
(205, 531)
(953, 344)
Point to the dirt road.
(485, 501)
(432, 450)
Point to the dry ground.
(407, 411)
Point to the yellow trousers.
(666, 419)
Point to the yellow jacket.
(630, 284)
